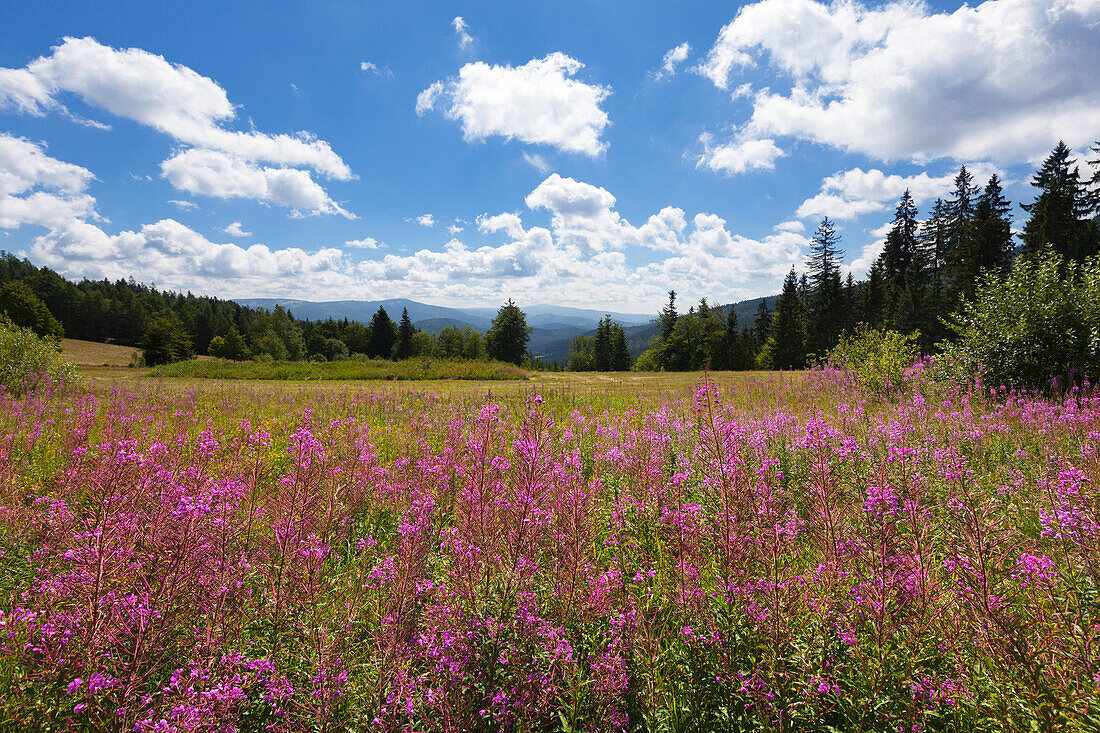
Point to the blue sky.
(583, 153)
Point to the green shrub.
(1037, 324)
(877, 359)
(27, 360)
(166, 340)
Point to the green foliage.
(605, 351)
(1037, 323)
(165, 341)
(230, 346)
(383, 335)
(507, 337)
(23, 308)
(403, 347)
(26, 359)
(648, 361)
(351, 369)
(877, 359)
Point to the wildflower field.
(756, 554)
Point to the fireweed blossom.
(789, 554)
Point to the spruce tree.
(383, 334)
(601, 346)
(821, 292)
(1060, 214)
(958, 234)
(933, 246)
(789, 351)
(507, 337)
(403, 347)
(731, 342)
(666, 322)
(762, 327)
(620, 352)
(993, 247)
(904, 271)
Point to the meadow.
(772, 552)
(418, 369)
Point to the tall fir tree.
(508, 334)
(620, 352)
(731, 342)
(789, 351)
(601, 346)
(959, 210)
(993, 248)
(383, 335)
(822, 294)
(403, 346)
(666, 323)
(1061, 212)
(933, 247)
(762, 326)
(904, 270)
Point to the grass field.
(89, 353)
(565, 552)
(420, 369)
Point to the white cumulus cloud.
(1003, 80)
(855, 192)
(37, 189)
(235, 229)
(426, 220)
(364, 243)
(673, 58)
(538, 103)
(223, 175)
(175, 100)
(738, 157)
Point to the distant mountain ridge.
(552, 327)
(538, 316)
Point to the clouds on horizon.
(582, 251)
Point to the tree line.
(171, 326)
(926, 269)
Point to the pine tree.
(904, 271)
(601, 346)
(959, 210)
(1060, 214)
(731, 342)
(507, 337)
(992, 231)
(1094, 182)
(666, 322)
(403, 347)
(790, 351)
(620, 352)
(933, 246)
(383, 334)
(762, 327)
(822, 294)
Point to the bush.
(648, 361)
(27, 360)
(1033, 326)
(877, 359)
(166, 340)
